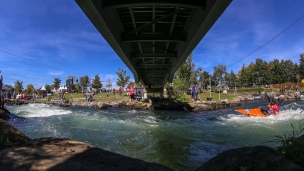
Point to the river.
(177, 139)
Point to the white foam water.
(39, 110)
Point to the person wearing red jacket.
(273, 108)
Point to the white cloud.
(55, 73)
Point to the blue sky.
(43, 40)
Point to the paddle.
(268, 98)
(265, 111)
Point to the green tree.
(57, 83)
(204, 79)
(261, 69)
(78, 87)
(301, 66)
(219, 73)
(298, 78)
(96, 82)
(131, 83)
(84, 82)
(183, 75)
(48, 88)
(289, 69)
(243, 76)
(295, 73)
(195, 74)
(231, 78)
(292, 71)
(275, 73)
(29, 89)
(18, 86)
(122, 79)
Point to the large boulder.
(235, 103)
(9, 135)
(202, 107)
(104, 106)
(55, 154)
(139, 105)
(4, 114)
(250, 158)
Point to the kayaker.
(273, 108)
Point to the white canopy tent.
(43, 88)
(53, 90)
(62, 89)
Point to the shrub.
(292, 146)
(4, 143)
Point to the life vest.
(270, 111)
(275, 107)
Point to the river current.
(177, 139)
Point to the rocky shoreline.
(197, 106)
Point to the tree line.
(257, 73)
(74, 84)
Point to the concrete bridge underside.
(153, 37)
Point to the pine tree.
(57, 82)
(96, 82)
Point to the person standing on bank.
(131, 92)
(193, 92)
(120, 91)
(198, 97)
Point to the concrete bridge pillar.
(145, 94)
(154, 92)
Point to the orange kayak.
(251, 112)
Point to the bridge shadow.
(170, 104)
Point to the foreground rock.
(250, 158)
(9, 135)
(4, 114)
(65, 154)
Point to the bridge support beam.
(155, 92)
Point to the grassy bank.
(106, 97)
(203, 96)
